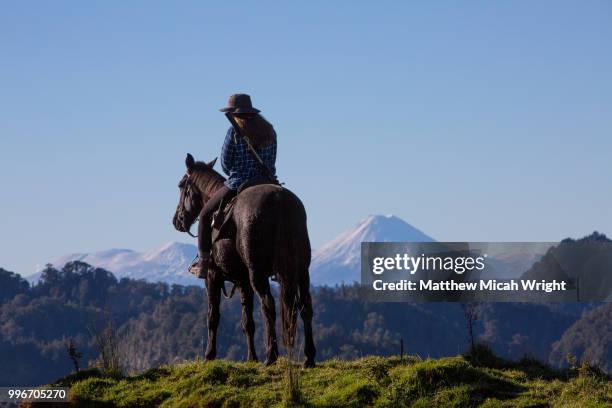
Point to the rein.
(223, 290)
(188, 187)
(231, 291)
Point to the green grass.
(367, 382)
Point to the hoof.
(309, 364)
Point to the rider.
(239, 163)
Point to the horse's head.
(191, 198)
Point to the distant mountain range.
(167, 263)
(334, 263)
(584, 262)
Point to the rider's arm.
(227, 152)
(270, 159)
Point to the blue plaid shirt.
(239, 163)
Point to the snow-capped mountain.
(334, 263)
(339, 260)
(167, 263)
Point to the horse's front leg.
(247, 322)
(213, 287)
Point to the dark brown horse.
(271, 239)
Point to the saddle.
(223, 226)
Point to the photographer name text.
(482, 285)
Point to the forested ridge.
(157, 324)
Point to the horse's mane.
(207, 177)
(202, 167)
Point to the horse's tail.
(291, 260)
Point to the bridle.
(188, 194)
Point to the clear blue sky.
(471, 120)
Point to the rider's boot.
(200, 267)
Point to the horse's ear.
(189, 162)
(212, 163)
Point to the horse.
(271, 240)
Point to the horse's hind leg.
(305, 307)
(268, 310)
(247, 322)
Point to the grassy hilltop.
(370, 381)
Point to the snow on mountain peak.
(172, 251)
(167, 263)
(338, 260)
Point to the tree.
(471, 312)
(11, 284)
(73, 354)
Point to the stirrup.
(217, 219)
(200, 267)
